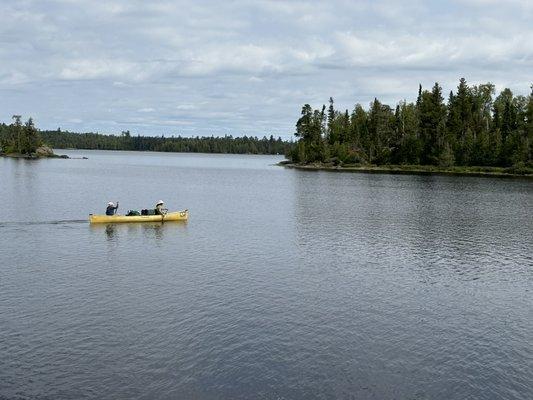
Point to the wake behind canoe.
(108, 219)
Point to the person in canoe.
(111, 208)
(159, 208)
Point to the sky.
(245, 67)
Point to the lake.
(284, 284)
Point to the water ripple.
(284, 285)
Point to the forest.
(19, 138)
(25, 138)
(126, 141)
(473, 128)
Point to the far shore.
(415, 170)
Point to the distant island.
(19, 140)
(470, 134)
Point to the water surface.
(284, 284)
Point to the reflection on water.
(147, 230)
(110, 231)
(438, 224)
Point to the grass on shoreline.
(518, 171)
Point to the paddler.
(111, 208)
(159, 210)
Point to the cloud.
(239, 59)
(245, 67)
(13, 78)
(525, 4)
(435, 51)
(186, 107)
(97, 68)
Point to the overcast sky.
(245, 67)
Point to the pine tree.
(432, 124)
(17, 134)
(358, 126)
(381, 129)
(419, 97)
(409, 148)
(303, 126)
(31, 138)
(460, 120)
(333, 128)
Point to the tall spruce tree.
(432, 124)
(32, 138)
(17, 133)
(410, 146)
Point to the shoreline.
(409, 170)
(32, 156)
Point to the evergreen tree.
(432, 124)
(460, 122)
(31, 138)
(334, 128)
(410, 146)
(303, 125)
(17, 134)
(358, 127)
(381, 129)
(471, 129)
(419, 97)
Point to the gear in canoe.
(157, 214)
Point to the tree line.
(126, 141)
(471, 129)
(25, 138)
(18, 137)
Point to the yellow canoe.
(111, 219)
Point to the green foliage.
(446, 157)
(432, 114)
(471, 129)
(227, 144)
(19, 138)
(310, 128)
(25, 139)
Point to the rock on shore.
(44, 151)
